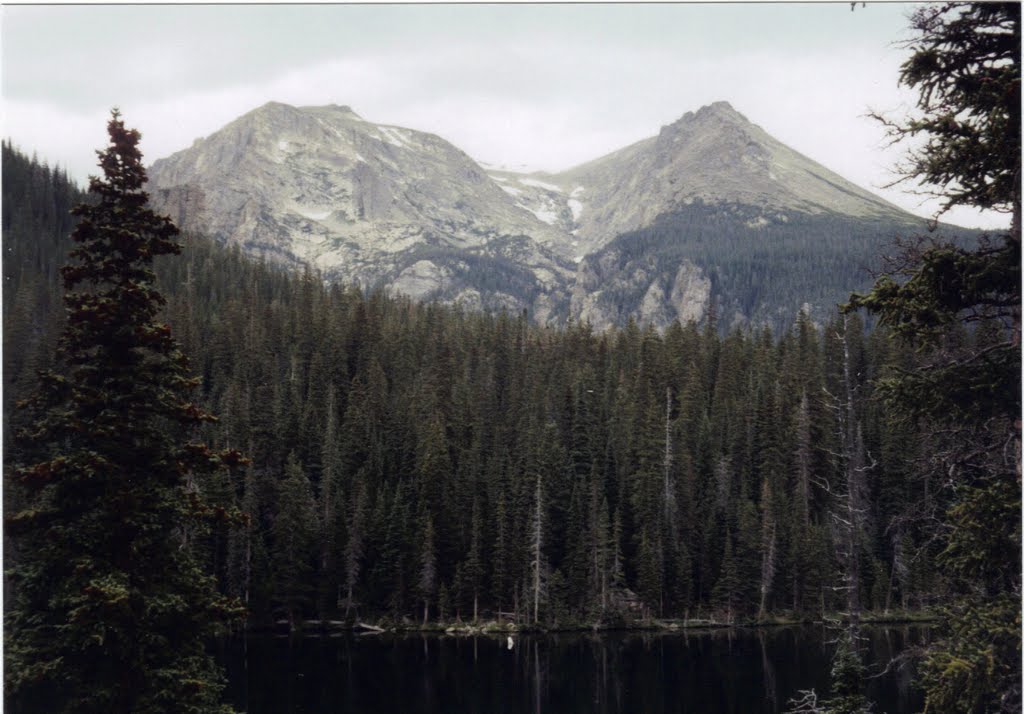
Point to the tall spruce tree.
(295, 531)
(112, 610)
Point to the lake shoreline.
(739, 670)
(508, 627)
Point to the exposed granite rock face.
(691, 293)
(384, 206)
(610, 290)
(322, 186)
(422, 280)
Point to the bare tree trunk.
(667, 492)
(536, 679)
(769, 673)
(850, 501)
(537, 542)
(767, 564)
(888, 592)
(604, 591)
(248, 560)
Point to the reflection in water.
(536, 679)
(736, 671)
(769, 673)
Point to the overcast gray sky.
(528, 86)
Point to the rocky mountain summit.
(712, 210)
(713, 156)
(365, 203)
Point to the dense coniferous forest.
(417, 461)
(114, 609)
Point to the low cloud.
(546, 104)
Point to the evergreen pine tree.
(649, 572)
(295, 529)
(473, 566)
(427, 582)
(332, 512)
(964, 65)
(728, 587)
(112, 609)
(848, 676)
(354, 544)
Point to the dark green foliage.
(935, 288)
(112, 609)
(426, 585)
(847, 678)
(294, 533)
(649, 572)
(37, 223)
(728, 586)
(761, 271)
(959, 309)
(965, 66)
(656, 451)
(977, 669)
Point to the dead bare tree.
(537, 540)
(849, 507)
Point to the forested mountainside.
(731, 259)
(37, 223)
(418, 460)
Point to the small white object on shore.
(511, 642)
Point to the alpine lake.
(703, 671)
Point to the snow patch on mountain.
(546, 215)
(312, 213)
(576, 207)
(540, 184)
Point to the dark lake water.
(737, 671)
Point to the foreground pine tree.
(965, 64)
(112, 612)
